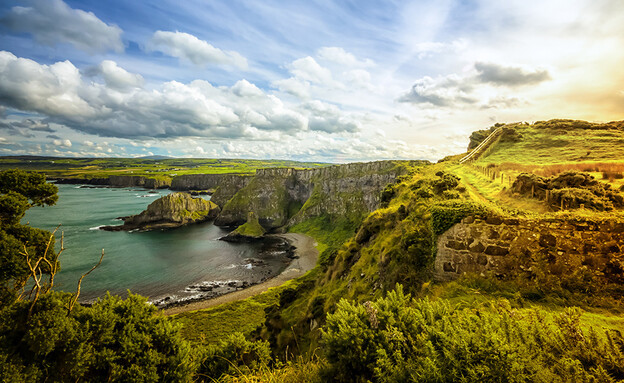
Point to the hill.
(511, 253)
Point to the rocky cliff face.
(120, 181)
(139, 181)
(510, 247)
(225, 185)
(285, 196)
(170, 211)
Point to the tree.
(46, 337)
(21, 246)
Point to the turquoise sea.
(173, 263)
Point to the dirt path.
(308, 254)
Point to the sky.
(313, 80)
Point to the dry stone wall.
(509, 246)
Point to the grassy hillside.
(370, 336)
(153, 168)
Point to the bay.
(157, 264)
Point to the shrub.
(234, 355)
(447, 213)
(397, 339)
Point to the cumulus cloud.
(62, 143)
(508, 75)
(116, 77)
(52, 22)
(170, 110)
(475, 87)
(308, 69)
(188, 47)
(329, 118)
(296, 87)
(442, 91)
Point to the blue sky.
(334, 81)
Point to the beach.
(306, 254)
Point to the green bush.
(234, 355)
(445, 214)
(397, 339)
(114, 340)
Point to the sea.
(168, 266)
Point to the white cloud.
(116, 77)
(62, 143)
(170, 110)
(52, 22)
(188, 47)
(309, 70)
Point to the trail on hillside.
(307, 257)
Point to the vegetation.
(152, 168)
(548, 318)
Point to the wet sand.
(305, 250)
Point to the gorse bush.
(114, 340)
(397, 339)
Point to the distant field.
(153, 168)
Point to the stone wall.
(509, 246)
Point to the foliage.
(445, 214)
(396, 339)
(114, 340)
(234, 355)
(21, 246)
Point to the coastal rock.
(170, 211)
(287, 196)
(224, 185)
(250, 231)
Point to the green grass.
(558, 143)
(211, 325)
(104, 167)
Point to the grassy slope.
(104, 167)
(360, 267)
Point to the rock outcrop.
(170, 211)
(511, 246)
(224, 185)
(250, 231)
(140, 181)
(119, 181)
(286, 196)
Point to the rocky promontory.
(170, 211)
(250, 231)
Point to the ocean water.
(171, 263)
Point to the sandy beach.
(307, 257)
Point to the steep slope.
(285, 196)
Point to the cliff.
(140, 181)
(119, 181)
(170, 211)
(286, 196)
(225, 185)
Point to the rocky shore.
(302, 260)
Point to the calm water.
(155, 264)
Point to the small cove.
(182, 264)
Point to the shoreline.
(307, 256)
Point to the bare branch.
(75, 297)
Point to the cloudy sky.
(334, 81)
